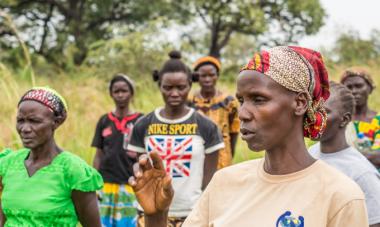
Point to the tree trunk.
(215, 52)
(79, 32)
(214, 47)
(46, 30)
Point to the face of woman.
(35, 124)
(266, 112)
(334, 117)
(208, 76)
(121, 93)
(175, 88)
(360, 89)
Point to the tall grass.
(88, 99)
(87, 95)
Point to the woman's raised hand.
(151, 183)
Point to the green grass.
(88, 99)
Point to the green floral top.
(44, 199)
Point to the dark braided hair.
(344, 95)
(174, 64)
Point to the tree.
(350, 48)
(49, 26)
(223, 18)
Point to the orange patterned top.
(222, 109)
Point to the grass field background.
(88, 99)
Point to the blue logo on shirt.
(286, 220)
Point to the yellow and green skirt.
(118, 205)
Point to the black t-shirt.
(112, 137)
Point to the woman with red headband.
(281, 92)
(118, 205)
(44, 185)
(219, 106)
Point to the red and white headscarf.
(300, 70)
(48, 97)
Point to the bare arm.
(2, 217)
(98, 157)
(211, 161)
(86, 207)
(233, 140)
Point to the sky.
(343, 15)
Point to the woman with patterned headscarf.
(44, 185)
(281, 92)
(366, 121)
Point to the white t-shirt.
(182, 145)
(244, 195)
(352, 163)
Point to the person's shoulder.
(5, 152)
(202, 119)
(204, 123)
(145, 119)
(70, 159)
(238, 172)
(78, 173)
(12, 159)
(72, 164)
(139, 115)
(103, 117)
(356, 162)
(9, 154)
(337, 185)
(227, 98)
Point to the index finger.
(156, 160)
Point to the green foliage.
(352, 49)
(63, 31)
(126, 36)
(290, 18)
(88, 99)
(54, 25)
(136, 55)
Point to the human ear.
(300, 104)
(345, 120)
(58, 120)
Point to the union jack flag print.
(175, 152)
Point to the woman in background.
(366, 121)
(187, 141)
(335, 151)
(219, 106)
(118, 206)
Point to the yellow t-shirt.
(244, 195)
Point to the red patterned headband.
(48, 97)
